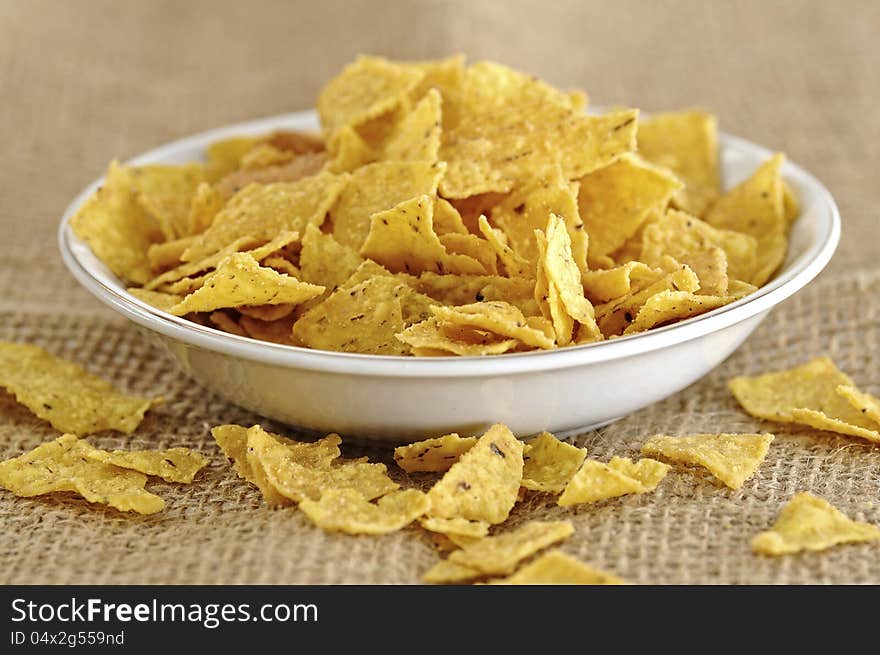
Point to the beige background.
(82, 82)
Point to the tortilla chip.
(377, 188)
(460, 530)
(448, 572)
(498, 317)
(437, 454)
(863, 402)
(65, 395)
(514, 265)
(550, 463)
(670, 306)
(163, 256)
(614, 201)
(240, 280)
(325, 261)
(166, 193)
(649, 472)
(224, 156)
(447, 220)
(298, 168)
(483, 484)
(686, 142)
(417, 136)
(555, 567)
(157, 299)
(172, 465)
(61, 465)
(429, 335)
(604, 285)
(277, 331)
(805, 394)
(348, 151)
(810, 523)
(732, 458)
(117, 228)
(474, 247)
(596, 481)
(346, 510)
(756, 207)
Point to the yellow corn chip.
(365, 89)
(224, 156)
(166, 192)
(614, 201)
(346, 510)
(207, 201)
(172, 465)
(226, 323)
(300, 167)
(61, 465)
(466, 289)
(483, 484)
(596, 481)
(264, 155)
(325, 261)
(811, 523)
(500, 555)
(429, 335)
(686, 142)
(474, 247)
(65, 395)
(417, 136)
(604, 285)
(555, 567)
(363, 319)
(550, 463)
(514, 265)
(403, 239)
(277, 331)
(266, 312)
(436, 454)
(348, 151)
(649, 472)
(240, 280)
(805, 394)
(292, 480)
(458, 529)
(377, 188)
(283, 265)
(448, 572)
(756, 207)
(262, 211)
(732, 458)
(682, 236)
(563, 274)
(670, 306)
(790, 205)
(157, 299)
(529, 208)
(863, 402)
(117, 228)
(498, 317)
(163, 256)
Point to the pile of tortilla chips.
(445, 209)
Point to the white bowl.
(399, 398)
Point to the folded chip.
(550, 463)
(172, 464)
(437, 454)
(346, 510)
(555, 567)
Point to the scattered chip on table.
(64, 394)
(807, 394)
(732, 458)
(596, 481)
(346, 510)
(556, 568)
(437, 454)
(811, 523)
(550, 463)
(172, 464)
(64, 465)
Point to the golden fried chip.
(498, 317)
(365, 89)
(62, 465)
(163, 256)
(287, 474)
(436, 454)
(226, 323)
(265, 155)
(266, 312)
(670, 306)
(348, 151)
(363, 319)
(65, 395)
(240, 280)
(686, 142)
(755, 207)
(377, 188)
(596, 481)
(429, 335)
(474, 247)
(682, 236)
(325, 261)
(262, 211)
(458, 529)
(346, 510)
(447, 220)
(117, 228)
(166, 193)
(649, 472)
(448, 572)
(417, 136)
(207, 201)
(811, 523)
(604, 285)
(563, 274)
(403, 240)
(805, 394)
(500, 555)
(555, 567)
(732, 458)
(157, 299)
(614, 201)
(514, 265)
(790, 205)
(277, 331)
(529, 208)
(549, 464)
(863, 402)
(224, 156)
(172, 465)
(298, 168)
(483, 484)
(466, 289)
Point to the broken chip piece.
(346, 510)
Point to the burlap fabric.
(83, 82)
